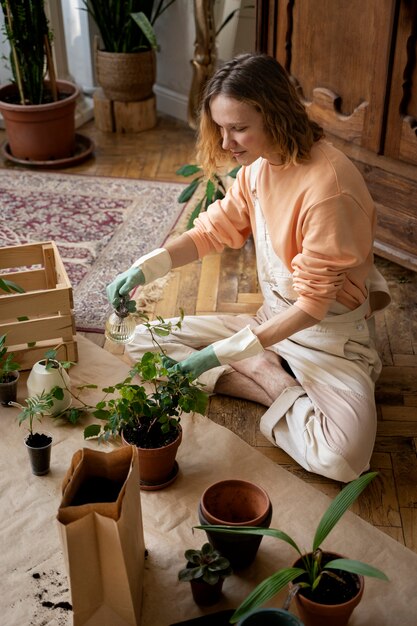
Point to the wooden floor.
(227, 283)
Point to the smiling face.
(242, 129)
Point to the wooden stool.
(123, 117)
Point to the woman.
(308, 353)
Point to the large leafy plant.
(313, 570)
(127, 25)
(27, 30)
(147, 418)
(212, 189)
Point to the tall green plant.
(127, 25)
(213, 189)
(312, 566)
(27, 30)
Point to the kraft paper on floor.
(33, 573)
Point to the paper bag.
(100, 525)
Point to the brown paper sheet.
(30, 541)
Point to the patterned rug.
(100, 225)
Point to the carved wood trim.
(205, 55)
(324, 110)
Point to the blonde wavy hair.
(260, 81)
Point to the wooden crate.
(47, 304)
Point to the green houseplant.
(38, 444)
(145, 410)
(208, 191)
(311, 569)
(9, 374)
(206, 570)
(126, 62)
(38, 113)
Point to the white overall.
(327, 423)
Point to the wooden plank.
(378, 504)
(405, 472)
(397, 429)
(399, 413)
(208, 285)
(166, 307)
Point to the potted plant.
(126, 63)
(205, 570)
(147, 413)
(38, 113)
(9, 374)
(46, 376)
(38, 444)
(236, 503)
(149, 418)
(311, 572)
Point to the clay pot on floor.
(40, 132)
(157, 466)
(314, 613)
(8, 390)
(270, 617)
(235, 503)
(39, 447)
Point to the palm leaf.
(266, 590)
(188, 192)
(195, 213)
(251, 530)
(339, 506)
(356, 567)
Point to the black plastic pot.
(205, 594)
(8, 391)
(39, 447)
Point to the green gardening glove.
(195, 365)
(242, 345)
(123, 284)
(148, 268)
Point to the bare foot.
(240, 386)
(267, 372)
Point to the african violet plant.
(206, 565)
(313, 568)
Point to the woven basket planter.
(126, 77)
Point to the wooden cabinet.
(354, 65)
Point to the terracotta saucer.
(155, 487)
(84, 147)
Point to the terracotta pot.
(206, 594)
(42, 379)
(8, 391)
(270, 617)
(235, 503)
(41, 132)
(157, 465)
(126, 77)
(316, 614)
(39, 448)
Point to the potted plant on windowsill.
(126, 62)
(205, 570)
(310, 572)
(38, 113)
(9, 374)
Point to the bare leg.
(240, 386)
(260, 379)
